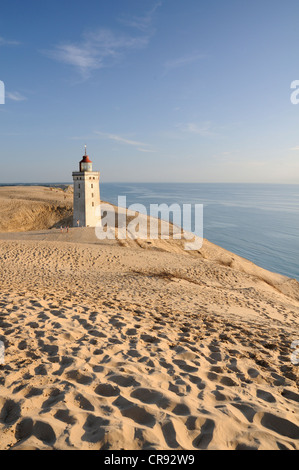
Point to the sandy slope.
(143, 346)
(33, 207)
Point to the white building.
(86, 194)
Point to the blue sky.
(170, 90)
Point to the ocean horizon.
(256, 221)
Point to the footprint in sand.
(170, 435)
(124, 381)
(41, 430)
(65, 417)
(55, 397)
(78, 377)
(83, 403)
(281, 426)
(94, 428)
(107, 390)
(10, 412)
(181, 410)
(266, 396)
(290, 395)
(34, 392)
(134, 412)
(151, 397)
(203, 440)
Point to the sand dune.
(24, 208)
(135, 345)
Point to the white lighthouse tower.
(86, 194)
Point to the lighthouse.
(86, 194)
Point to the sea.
(259, 222)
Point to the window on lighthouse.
(86, 166)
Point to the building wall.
(86, 198)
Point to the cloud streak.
(203, 129)
(15, 96)
(6, 42)
(103, 47)
(142, 23)
(140, 146)
(96, 50)
(182, 61)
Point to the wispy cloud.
(141, 146)
(15, 96)
(103, 47)
(182, 61)
(96, 50)
(146, 150)
(142, 23)
(120, 139)
(203, 129)
(7, 42)
(295, 148)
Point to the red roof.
(85, 159)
